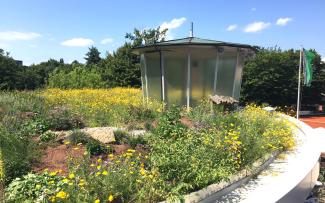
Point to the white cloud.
(323, 58)
(253, 9)
(232, 27)
(14, 36)
(78, 42)
(107, 41)
(256, 26)
(283, 21)
(173, 24)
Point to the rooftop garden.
(181, 151)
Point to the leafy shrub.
(33, 188)
(60, 118)
(94, 147)
(79, 77)
(48, 136)
(18, 149)
(78, 136)
(123, 178)
(121, 137)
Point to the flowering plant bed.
(181, 153)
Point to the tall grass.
(18, 150)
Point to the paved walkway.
(314, 122)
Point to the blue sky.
(36, 30)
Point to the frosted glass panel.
(143, 80)
(153, 75)
(238, 76)
(226, 72)
(175, 64)
(203, 63)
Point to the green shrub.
(48, 136)
(121, 137)
(79, 77)
(33, 188)
(78, 136)
(94, 147)
(60, 118)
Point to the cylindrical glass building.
(184, 71)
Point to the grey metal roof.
(193, 41)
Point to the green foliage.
(122, 68)
(16, 129)
(48, 136)
(94, 147)
(92, 56)
(272, 77)
(61, 118)
(148, 36)
(33, 188)
(78, 77)
(189, 159)
(77, 137)
(122, 137)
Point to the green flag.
(308, 69)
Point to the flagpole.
(299, 81)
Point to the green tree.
(92, 56)
(148, 36)
(122, 68)
(78, 77)
(272, 77)
(10, 72)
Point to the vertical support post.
(188, 81)
(235, 73)
(299, 81)
(216, 74)
(142, 77)
(146, 77)
(162, 69)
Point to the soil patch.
(56, 158)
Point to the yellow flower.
(110, 198)
(51, 182)
(97, 201)
(38, 187)
(99, 160)
(111, 156)
(71, 175)
(98, 173)
(53, 173)
(61, 195)
(105, 173)
(92, 165)
(85, 153)
(75, 148)
(65, 180)
(52, 199)
(99, 167)
(81, 183)
(131, 150)
(67, 142)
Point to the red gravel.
(314, 122)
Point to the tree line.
(270, 77)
